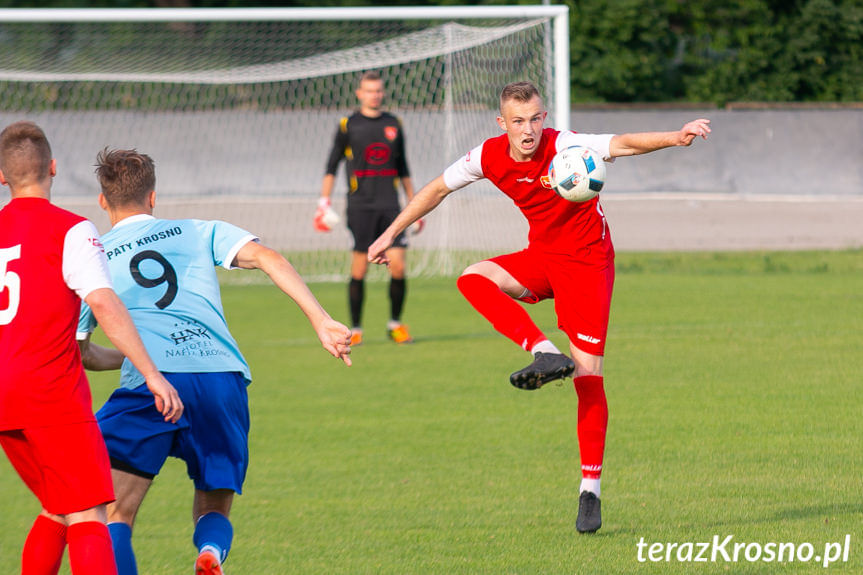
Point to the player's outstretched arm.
(335, 337)
(424, 201)
(117, 324)
(645, 142)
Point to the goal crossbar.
(558, 14)
(257, 14)
(428, 43)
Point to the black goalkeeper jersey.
(375, 152)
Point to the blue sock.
(215, 530)
(121, 539)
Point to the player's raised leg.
(492, 291)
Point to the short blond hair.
(518, 91)
(25, 154)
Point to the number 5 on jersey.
(11, 282)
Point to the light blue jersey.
(164, 272)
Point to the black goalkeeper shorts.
(366, 225)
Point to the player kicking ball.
(569, 257)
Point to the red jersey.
(556, 225)
(42, 380)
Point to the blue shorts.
(212, 436)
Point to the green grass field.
(734, 386)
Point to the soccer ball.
(576, 173)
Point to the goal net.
(239, 108)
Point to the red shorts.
(65, 466)
(581, 291)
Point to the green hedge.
(715, 51)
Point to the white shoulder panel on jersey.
(85, 267)
(465, 170)
(600, 143)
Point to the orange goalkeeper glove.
(325, 217)
(417, 227)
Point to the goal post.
(238, 108)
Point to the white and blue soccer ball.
(576, 173)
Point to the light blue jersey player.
(144, 256)
(164, 271)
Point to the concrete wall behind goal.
(765, 179)
(749, 152)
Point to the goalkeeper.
(373, 142)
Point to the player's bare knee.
(358, 271)
(97, 514)
(397, 270)
(585, 363)
(122, 511)
(486, 269)
(477, 268)
(217, 500)
(582, 371)
(52, 517)
(499, 276)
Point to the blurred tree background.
(715, 51)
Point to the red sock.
(90, 550)
(504, 313)
(592, 423)
(43, 549)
